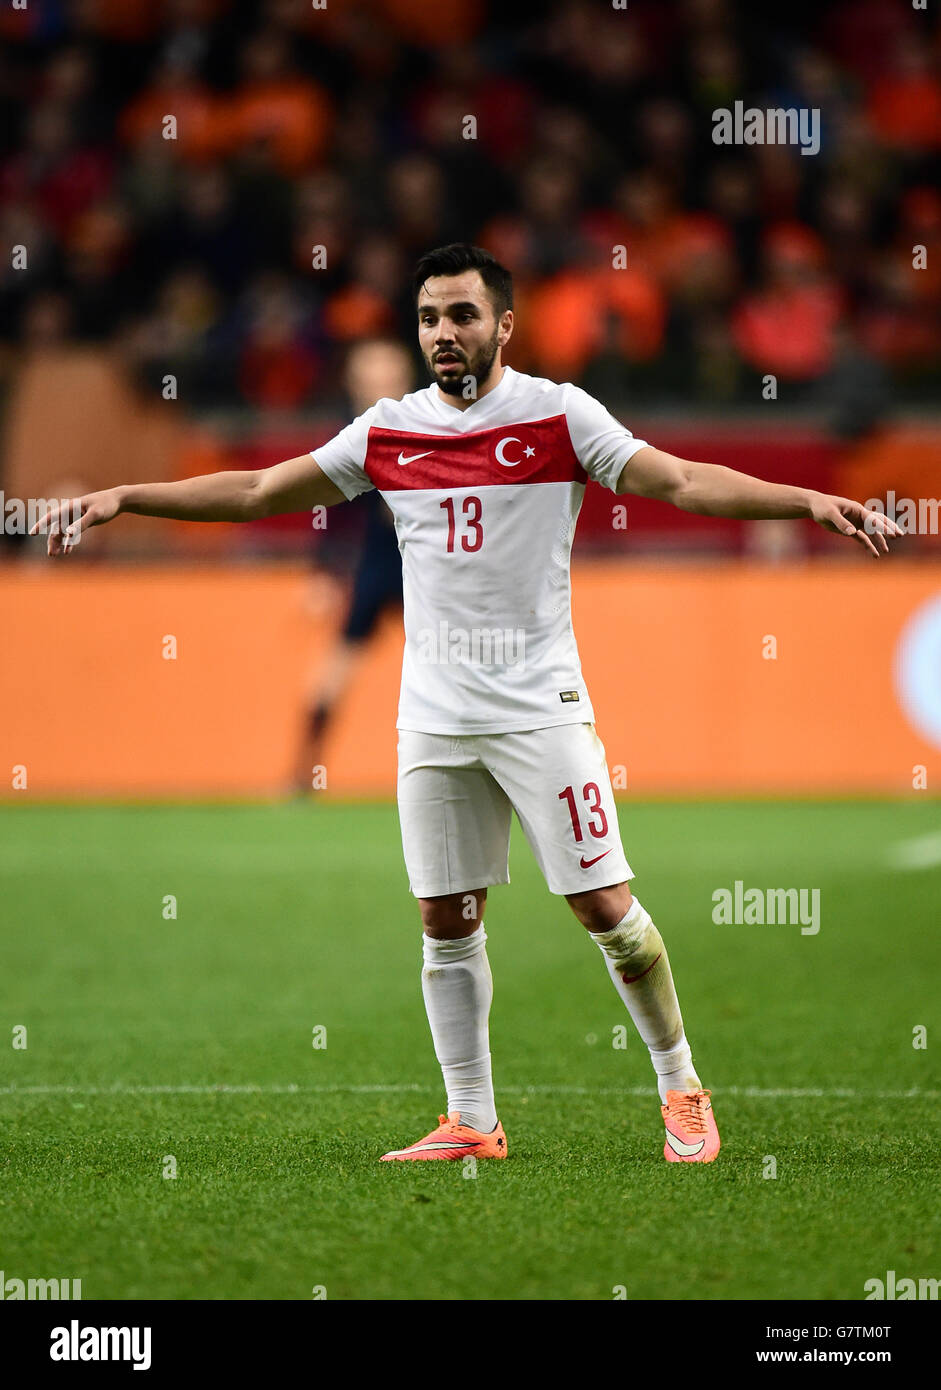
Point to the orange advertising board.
(741, 678)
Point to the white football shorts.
(456, 793)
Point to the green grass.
(294, 916)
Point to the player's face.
(458, 330)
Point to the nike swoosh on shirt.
(584, 863)
(684, 1150)
(411, 459)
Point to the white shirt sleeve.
(602, 445)
(343, 457)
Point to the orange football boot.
(453, 1140)
(692, 1136)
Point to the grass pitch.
(153, 1038)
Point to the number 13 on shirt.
(472, 532)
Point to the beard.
(479, 367)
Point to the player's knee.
(453, 915)
(600, 909)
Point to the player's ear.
(506, 327)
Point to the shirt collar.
(477, 408)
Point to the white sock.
(640, 969)
(458, 989)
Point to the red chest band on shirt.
(539, 451)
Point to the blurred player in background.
(374, 368)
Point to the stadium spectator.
(176, 92)
(786, 328)
(326, 148)
(276, 107)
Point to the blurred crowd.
(313, 153)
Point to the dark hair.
(458, 257)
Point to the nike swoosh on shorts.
(584, 863)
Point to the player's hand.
(66, 521)
(849, 518)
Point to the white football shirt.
(485, 502)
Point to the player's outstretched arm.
(712, 490)
(291, 486)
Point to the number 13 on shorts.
(589, 815)
(597, 820)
